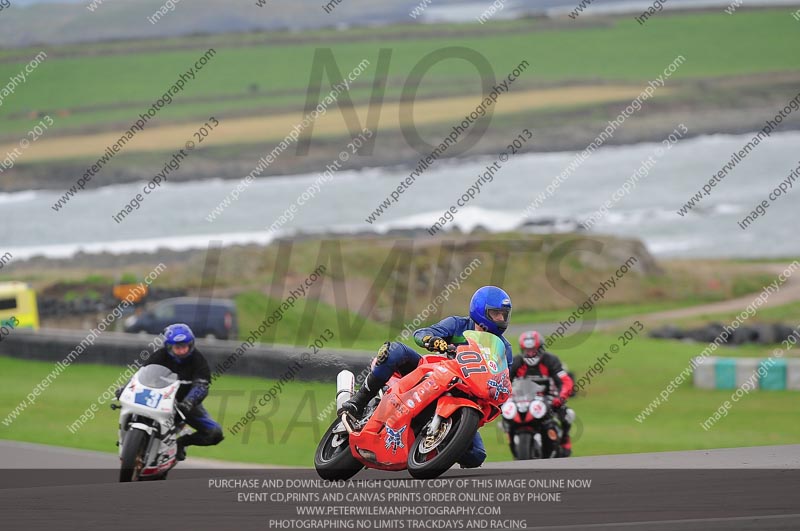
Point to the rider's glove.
(434, 344)
(383, 353)
(558, 402)
(118, 392)
(185, 407)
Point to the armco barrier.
(113, 348)
(731, 373)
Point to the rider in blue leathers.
(489, 311)
(181, 357)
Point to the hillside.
(373, 286)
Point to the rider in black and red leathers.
(534, 360)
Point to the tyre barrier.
(58, 307)
(766, 374)
(762, 334)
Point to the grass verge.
(287, 432)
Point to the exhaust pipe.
(345, 387)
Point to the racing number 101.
(472, 362)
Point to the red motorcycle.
(426, 420)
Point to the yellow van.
(18, 300)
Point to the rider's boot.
(566, 446)
(180, 454)
(566, 442)
(355, 406)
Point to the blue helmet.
(179, 334)
(486, 299)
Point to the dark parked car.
(206, 317)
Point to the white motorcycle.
(148, 432)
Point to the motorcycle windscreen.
(492, 349)
(525, 390)
(156, 376)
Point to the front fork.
(153, 445)
(436, 422)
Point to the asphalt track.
(21, 455)
(44, 487)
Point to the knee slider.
(383, 353)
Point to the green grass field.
(306, 321)
(288, 433)
(250, 74)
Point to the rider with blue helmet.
(181, 357)
(489, 311)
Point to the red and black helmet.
(530, 344)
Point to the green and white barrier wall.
(770, 374)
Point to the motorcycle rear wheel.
(333, 459)
(464, 424)
(132, 460)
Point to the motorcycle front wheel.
(333, 459)
(132, 461)
(524, 446)
(432, 455)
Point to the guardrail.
(114, 348)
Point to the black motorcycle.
(531, 422)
